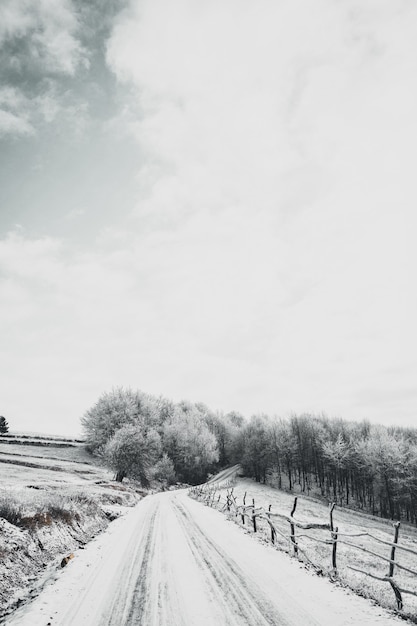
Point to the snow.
(172, 561)
(30, 554)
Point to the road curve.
(174, 562)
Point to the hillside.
(54, 499)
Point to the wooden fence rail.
(211, 495)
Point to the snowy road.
(171, 561)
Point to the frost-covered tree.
(256, 444)
(164, 470)
(336, 455)
(189, 443)
(388, 454)
(116, 409)
(132, 453)
(111, 411)
(226, 429)
(4, 427)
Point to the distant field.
(52, 461)
(41, 436)
(30, 460)
(76, 453)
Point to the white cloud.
(269, 262)
(293, 123)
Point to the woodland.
(360, 465)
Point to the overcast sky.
(208, 200)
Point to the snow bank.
(25, 553)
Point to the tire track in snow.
(171, 563)
(242, 601)
(146, 595)
(130, 603)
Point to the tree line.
(357, 464)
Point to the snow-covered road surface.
(172, 561)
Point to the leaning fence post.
(233, 501)
(253, 515)
(395, 589)
(396, 533)
(292, 526)
(272, 528)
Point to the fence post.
(243, 510)
(333, 504)
(235, 505)
(293, 540)
(234, 502)
(334, 537)
(253, 515)
(395, 589)
(272, 530)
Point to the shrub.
(10, 510)
(32, 511)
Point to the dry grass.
(30, 510)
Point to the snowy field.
(53, 500)
(75, 452)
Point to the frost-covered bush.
(164, 470)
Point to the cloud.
(268, 263)
(40, 49)
(48, 32)
(11, 124)
(14, 118)
(233, 100)
(282, 136)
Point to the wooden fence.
(248, 514)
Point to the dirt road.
(173, 562)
